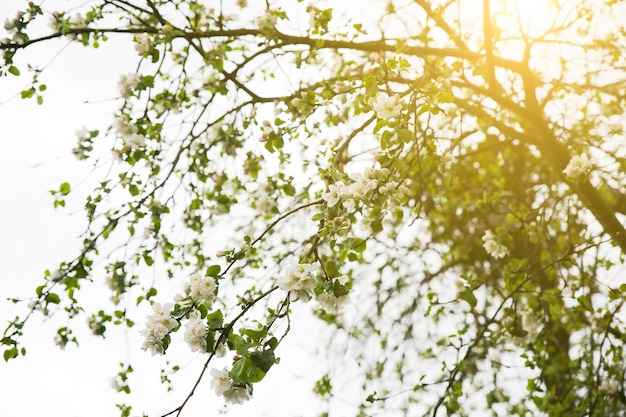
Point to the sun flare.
(519, 21)
(535, 17)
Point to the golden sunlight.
(535, 17)
(517, 20)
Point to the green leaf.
(331, 269)
(263, 360)
(323, 386)
(255, 335)
(14, 70)
(379, 125)
(424, 108)
(444, 97)
(239, 369)
(39, 290)
(203, 309)
(53, 298)
(289, 189)
(405, 135)
(71, 282)
(278, 142)
(28, 93)
(317, 217)
(151, 293)
(148, 259)
(133, 190)
(385, 139)
(273, 342)
(338, 289)
(213, 271)
(10, 354)
(215, 320)
(358, 245)
(65, 188)
(468, 295)
(238, 343)
(210, 341)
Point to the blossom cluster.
(267, 22)
(196, 332)
(198, 290)
(387, 107)
(608, 387)
(158, 327)
(129, 132)
(201, 290)
(143, 44)
(362, 187)
(84, 142)
(493, 247)
(299, 279)
(223, 386)
(578, 168)
(13, 27)
(127, 83)
(302, 283)
(329, 301)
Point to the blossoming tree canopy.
(440, 182)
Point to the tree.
(441, 182)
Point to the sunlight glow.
(522, 19)
(535, 16)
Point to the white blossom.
(122, 127)
(158, 325)
(221, 350)
(195, 333)
(334, 193)
(362, 185)
(20, 38)
(267, 21)
(387, 107)
(578, 168)
(493, 247)
(221, 381)
(299, 279)
(143, 44)
(127, 83)
(349, 205)
(80, 21)
(135, 141)
(236, 395)
(82, 133)
(201, 289)
(388, 188)
(9, 26)
(332, 304)
(608, 387)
